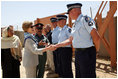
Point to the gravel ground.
(103, 69)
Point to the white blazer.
(30, 54)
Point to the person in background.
(50, 61)
(49, 33)
(10, 53)
(31, 52)
(44, 31)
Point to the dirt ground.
(103, 69)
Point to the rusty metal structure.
(108, 23)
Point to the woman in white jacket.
(30, 55)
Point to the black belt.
(54, 43)
(82, 49)
(65, 48)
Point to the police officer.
(64, 53)
(55, 31)
(55, 34)
(84, 39)
(42, 42)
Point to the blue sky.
(16, 12)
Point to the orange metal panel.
(107, 19)
(99, 22)
(106, 44)
(112, 40)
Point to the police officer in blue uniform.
(85, 39)
(64, 53)
(55, 34)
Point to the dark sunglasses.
(31, 26)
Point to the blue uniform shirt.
(55, 34)
(81, 32)
(64, 34)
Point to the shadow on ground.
(104, 66)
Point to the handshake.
(52, 47)
(47, 46)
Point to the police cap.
(74, 5)
(53, 19)
(39, 26)
(60, 17)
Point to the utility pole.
(17, 27)
(91, 12)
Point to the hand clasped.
(52, 47)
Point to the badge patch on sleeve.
(90, 23)
(69, 30)
(87, 18)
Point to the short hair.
(26, 25)
(48, 26)
(10, 27)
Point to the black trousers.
(41, 66)
(85, 63)
(10, 66)
(55, 58)
(65, 62)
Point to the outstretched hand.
(52, 47)
(42, 43)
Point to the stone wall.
(20, 34)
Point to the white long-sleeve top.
(30, 57)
